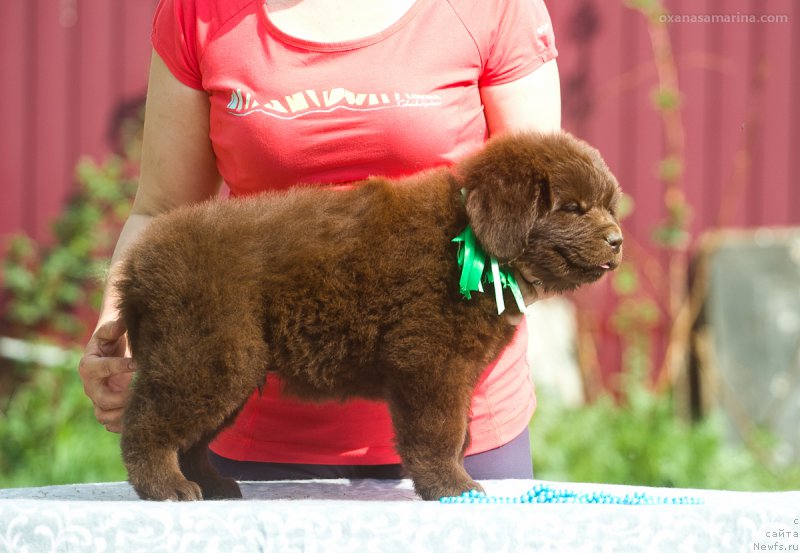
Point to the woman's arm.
(530, 103)
(178, 165)
(178, 168)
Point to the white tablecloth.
(385, 516)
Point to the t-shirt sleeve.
(521, 40)
(174, 38)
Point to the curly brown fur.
(349, 293)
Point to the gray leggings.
(512, 460)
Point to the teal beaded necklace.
(544, 493)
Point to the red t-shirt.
(286, 111)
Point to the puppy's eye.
(572, 207)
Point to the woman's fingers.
(531, 293)
(109, 339)
(106, 374)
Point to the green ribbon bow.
(472, 260)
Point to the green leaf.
(625, 280)
(625, 206)
(665, 99)
(670, 169)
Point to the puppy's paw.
(186, 491)
(433, 489)
(221, 488)
(175, 490)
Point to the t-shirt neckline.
(339, 46)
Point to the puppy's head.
(544, 204)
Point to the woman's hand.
(106, 370)
(531, 293)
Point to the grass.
(49, 433)
(640, 441)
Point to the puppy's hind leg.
(197, 468)
(183, 394)
(141, 453)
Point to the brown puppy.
(349, 293)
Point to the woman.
(268, 94)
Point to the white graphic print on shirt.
(309, 101)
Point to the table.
(386, 516)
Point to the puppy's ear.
(507, 189)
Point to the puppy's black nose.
(614, 240)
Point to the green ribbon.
(474, 272)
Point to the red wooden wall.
(68, 65)
(738, 81)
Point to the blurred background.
(683, 369)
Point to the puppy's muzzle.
(614, 239)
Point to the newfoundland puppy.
(353, 293)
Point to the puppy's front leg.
(430, 424)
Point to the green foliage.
(49, 433)
(625, 206)
(670, 169)
(47, 427)
(665, 99)
(639, 440)
(673, 232)
(652, 9)
(48, 286)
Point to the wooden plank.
(609, 82)
(15, 112)
(736, 133)
(641, 128)
(49, 121)
(95, 75)
(136, 20)
(755, 112)
(693, 61)
(568, 22)
(794, 116)
(770, 186)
